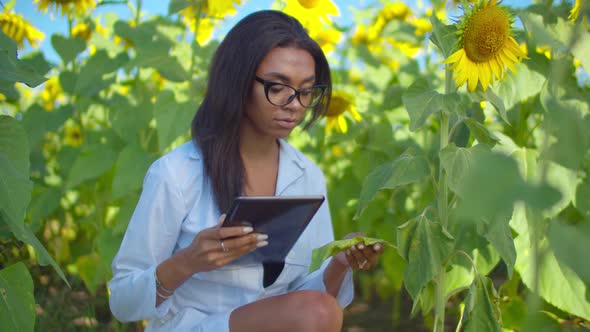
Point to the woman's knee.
(319, 311)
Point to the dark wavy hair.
(215, 126)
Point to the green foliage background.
(487, 202)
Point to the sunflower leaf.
(17, 308)
(319, 255)
(443, 36)
(67, 48)
(406, 169)
(421, 101)
(481, 310)
(425, 245)
(177, 5)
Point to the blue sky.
(51, 23)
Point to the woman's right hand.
(216, 246)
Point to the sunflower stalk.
(443, 201)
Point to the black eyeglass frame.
(269, 84)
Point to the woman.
(176, 266)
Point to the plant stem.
(443, 201)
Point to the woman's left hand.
(360, 256)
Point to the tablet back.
(282, 218)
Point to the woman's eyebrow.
(285, 78)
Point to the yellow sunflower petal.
(342, 125)
(484, 76)
(355, 115)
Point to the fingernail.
(377, 246)
(261, 237)
(262, 244)
(247, 229)
(361, 246)
(348, 252)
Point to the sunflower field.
(459, 132)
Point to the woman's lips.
(286, 123)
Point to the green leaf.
(480, 132)
(177, 5)
(559, 177)
(130, 169)
(458, 161)
(90, 80)
(494, 99)
(561, 36)
(37, 121)
(172, 118)
(421, 101)
(23, 233)
(15, 186)
(571, 245)
(425, 245)
(582, 202)
(443, 36)
(125, 212)
(107, 245)
(67, 80)
(44, 202)
(564, 121)
(581, 47)
(92, 272)
(92, 162)
(7, 44)
(518, 87)
(319, 255)
(404, 170)
(158, 56)
(504, 186)
(499, 234)
(14, 144)
(128, 120)
(481, 310)
(14, 70)
(17, 302)
(37, 61)
(558, 284)
(424, 301)
(9, 91)
(67, 48)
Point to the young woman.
(176, 266)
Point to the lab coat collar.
(291, 166)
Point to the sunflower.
(204, 29)
(212, 8)
(395, 11)
(72, 134)
(19, 30)
(487, 46)
(82, 30)
(340, 104)
(423, 26)
(580, 6)
(313, 14)
(65, 6)
(51, 93)
(327, 39)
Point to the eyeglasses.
(280, 94)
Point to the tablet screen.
(282, 218)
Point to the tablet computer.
(282, 218)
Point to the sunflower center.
(309, 3)
(485, 33)
(338, 105)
